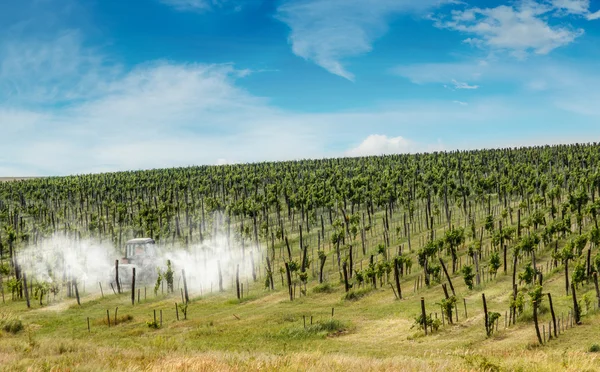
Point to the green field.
(403, 212)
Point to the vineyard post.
(289, 281)
(220, 276)
(449, 315)
(553, 314)
(424, 314)
(76, 292)
(485, 311)
(185, 288)
(447, 276)
(576, 309)
(26, 291)
(133, 286)
(117, 276)
(597, 288)
(397, 278)
(237, 282)
(535, 320)
(346, 284)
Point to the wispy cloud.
(463, 85)
(78, 112)
(329, 31)
(38, 71)
(519, 29)
(192, 5)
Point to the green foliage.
(323, 328)
(594, 348)
(578, 244)
(323, 288)
(528, 243)
(153, 324)
(447, 305)
(435, 271)
(474, 247)
(489, 223)
(492, 317)
(159, 280)
(468, 275)
(535, 294)
(429, 321)
(169, 276)
(579, 272)
(517, 303)
(357, 294)
(494, 263)
(11, 325)
(528, 274)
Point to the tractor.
(140, 253)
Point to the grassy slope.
(266, 331)
(270, 334)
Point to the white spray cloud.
(58, 259)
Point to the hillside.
(323, 265)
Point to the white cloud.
(328, 31)
(593, 16)
(379, 144)
(191, 5)
(518, 29)
(572, 6)
(462, 85)
(38, 71)
(461, 103)
(164, 114)
(572, 87)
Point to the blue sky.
(105, 85)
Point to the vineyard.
(470, 260)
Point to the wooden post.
(597, 288)
(108, 317)
(26, 291)
(237, 282)
(567, 276)
(449, 314)
(220, 276)
(346, 284)
(535, 320)
(465, 303)
(485, 311)
(397, 279)
(101, 291)
(447, 276)
(576, 309)
(76, 292)
(553, 314)
(185, 289)
(424, 314)
(133, 287)
(176, 311)
(88, 324)
(117, 276)
(289, 280)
